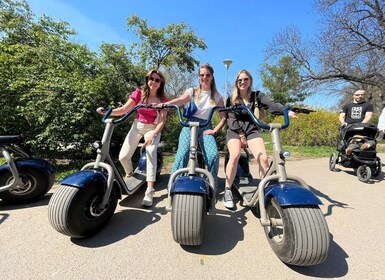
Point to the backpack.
(259, 111)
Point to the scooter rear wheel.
(188, 218)
(298, 235)
(35, 185)
(75, 212)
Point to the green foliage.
(319, 128)
(167, 46)
(283, 81)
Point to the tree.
(178, 80)
(167, 46)
(49, 86)
(348, 51)
(283, 81)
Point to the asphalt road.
(138, 243)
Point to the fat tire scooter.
(191, 193)
(23, 178)
(87, 199)
(289, 212)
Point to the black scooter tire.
(35, 185)
(72, 211)
(188, 218)
(299, 235)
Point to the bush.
(319, 128)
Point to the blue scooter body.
(290, 193)
(38, 164)
(190, 184)
(86, 178)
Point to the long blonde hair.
(213, 86)
(235, 97)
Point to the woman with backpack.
(241, 130)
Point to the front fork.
(197, 171)
(17, 181)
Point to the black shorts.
(249, 135)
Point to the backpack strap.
(256, 103)
(228, 102)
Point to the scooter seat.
(9, 139)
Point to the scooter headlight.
(285, 154)
(193, 150)
(97, 145)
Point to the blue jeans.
(208, 146)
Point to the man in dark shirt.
(358, 111)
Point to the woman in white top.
(205, 97)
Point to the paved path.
(138, 244)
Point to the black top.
(239, 121)
(355, 112)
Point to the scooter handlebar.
(254, 119)
(187, 123)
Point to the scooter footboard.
(289, 193)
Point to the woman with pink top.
(148, 124)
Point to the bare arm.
(342, 118)
(121, 110)
(181, 100)
(368, 116)
(221, 123)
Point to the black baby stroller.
(365, 161)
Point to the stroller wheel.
(332, 162)
(376, 171)
(364, 173)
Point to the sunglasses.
(242, 80)
(359, 95)
(205, 75)
(156, 80)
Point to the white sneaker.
(228, 199)
(148, 197)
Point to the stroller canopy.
(365, 129)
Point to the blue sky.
(236, 30)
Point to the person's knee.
(264, 159)
(233, 159)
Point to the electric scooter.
(191, 193)
(87, 199)
(23, 178)
(289, 212)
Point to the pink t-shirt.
(145, 115)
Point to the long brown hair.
(213, 86)
(146, 90)
(235, 97)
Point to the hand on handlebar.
(101, 110)
(293, 114)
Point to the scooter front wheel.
(34, 185)
(76, 212)
(188, 218)
(298, 235)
